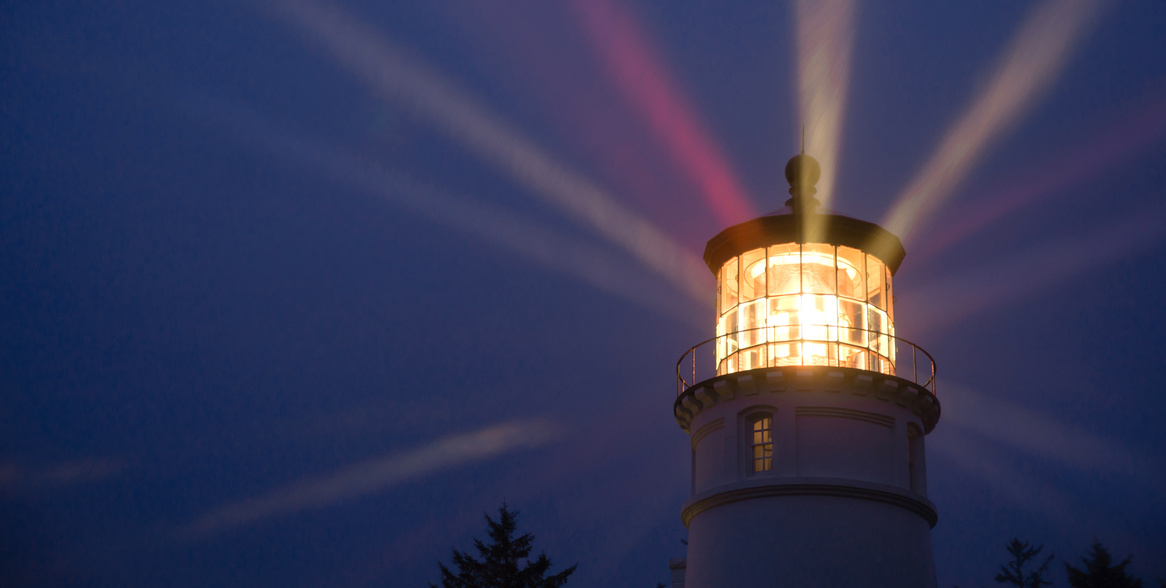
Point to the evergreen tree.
(499, 566)
(1014, 573)
(1100, 572)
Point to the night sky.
(291, 293)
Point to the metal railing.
(902, 356)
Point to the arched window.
(760, 443)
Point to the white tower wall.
(844, 501)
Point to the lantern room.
(804, 304)
(799, 288)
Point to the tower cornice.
(789, 228)
(823, 380)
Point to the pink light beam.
(644, 80)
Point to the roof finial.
(802, 172)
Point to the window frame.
(751, 444)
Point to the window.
(761, 444)
(914, 457)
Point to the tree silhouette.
(1014, 573)
(1100, 572)
(499, 564)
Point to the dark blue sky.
(293, 292)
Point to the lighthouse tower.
(806, 413)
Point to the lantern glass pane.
(875, 293)
(852, 357)
(785, 354)
(783, 269)
(851, 273)
(752, 274)
(729, 285)
(732, 328)
(852, 322)
(752, 322)
(890, 298)
(783, 320)
(818, 273)
(752, 358)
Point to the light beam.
(1034, 433)
(551, 249)
(643, 79)
(944, 303)
(1137, 130)
(395, 76)
(16, 478)
(375, 475)
(825, 35)
(1034, 59)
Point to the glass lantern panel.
(783, 266)
(819, 317)
(752, 322)
(729, 285)
(875, 293)
(890, 299)
(729, 365)
(818, 272)
(851, 274)
(785, 353)
(783, 318)
(817, 353)
(852, 322)
(852, 357)
(722, 331)
(877, 323)
(732, 327)
(752, 274)
(753, 358)
(893, 346)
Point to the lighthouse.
(806, 413)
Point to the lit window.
(761, 444)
